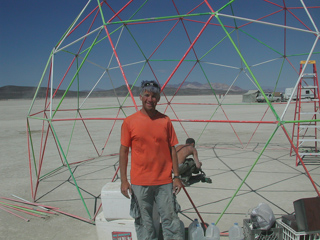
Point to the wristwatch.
(174, 177)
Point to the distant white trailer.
(305, 93)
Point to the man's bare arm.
(177, 184)
(123, 163)
(196, 159)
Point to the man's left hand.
(177, 185)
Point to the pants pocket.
(134, 208)
(177, 207)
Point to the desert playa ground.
(248, 163)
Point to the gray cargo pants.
(187, 168)
(142, 200)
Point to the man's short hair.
(151, 86)
(190, 141)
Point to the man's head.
(149, 95)
(190, 141)
(151, 86)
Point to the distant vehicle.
(305, 93)
(276, 97)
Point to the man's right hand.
(199, 165)
(126, 189)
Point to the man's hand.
(198, 165)
(126, 189)
(177, 185)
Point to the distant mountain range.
(215, 86)
(188, 88)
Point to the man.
(187, 166)
(151, 137)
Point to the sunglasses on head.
(151, 84)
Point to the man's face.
(149, 100)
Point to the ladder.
(307, 111)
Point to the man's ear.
(159, 98)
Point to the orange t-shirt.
(150, 141)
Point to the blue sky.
(30, 30)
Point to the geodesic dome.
(113, 45)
